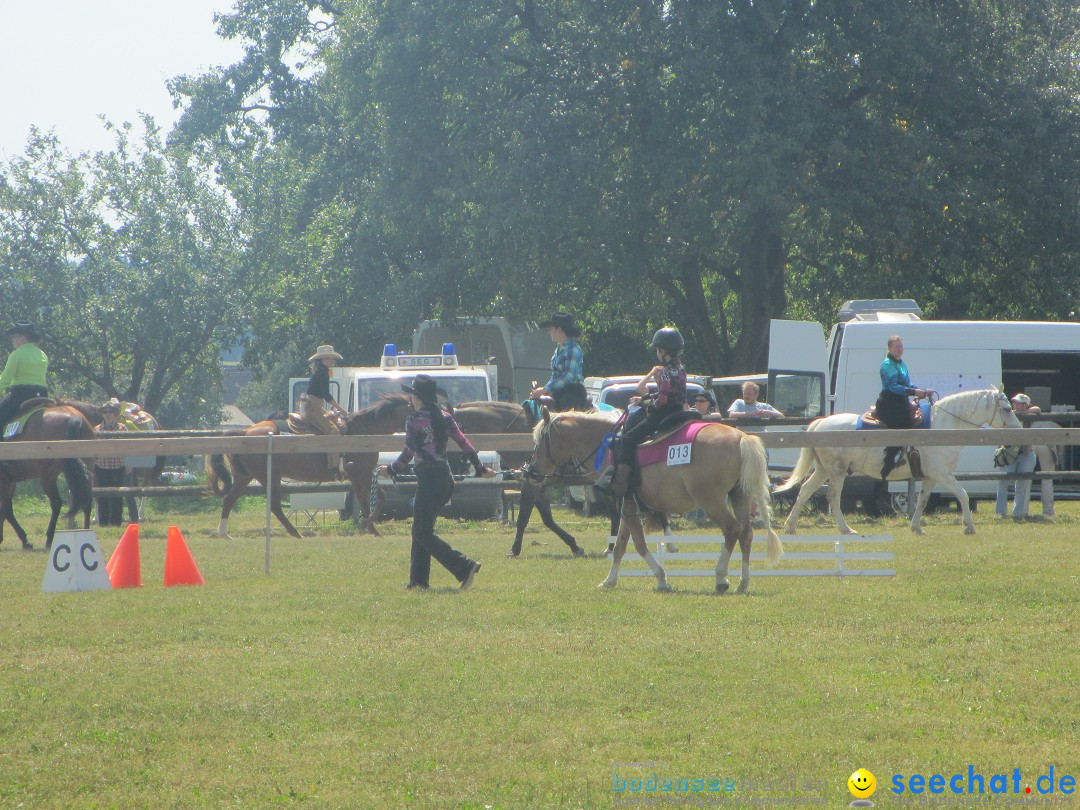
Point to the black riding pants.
(110, 509)
(434, 485)
(571, 397)
(895, 411)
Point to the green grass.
(326, 684)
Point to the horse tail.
(803, 467)
(78, 478)
(754, 481)
(218, 476)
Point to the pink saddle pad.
(654, 452)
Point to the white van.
(1042, 359)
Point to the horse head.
(567, 440)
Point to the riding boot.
(621, 482)
(603, 483)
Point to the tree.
(131, 262)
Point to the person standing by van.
(893, 407)
(1017, 460)
(750, 407)
(567, 384)
(426, 432)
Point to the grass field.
(327, 684)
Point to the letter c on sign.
(82, 556)
(56, 555)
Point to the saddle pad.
(18, 424)
(656, 450)
(870, 424)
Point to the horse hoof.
(851, 531)
(511, 555)
(722, 588)
(664, 588)
(27, 546)
(969, 531)
(607, 585)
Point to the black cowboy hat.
(565, 321)
(422, 386)
(24, 328)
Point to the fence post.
(269, 485)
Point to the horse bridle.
(997, 412)
(581, 473)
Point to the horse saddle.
(667, 443)
(295, 423)
(26, 410)
(920, 418)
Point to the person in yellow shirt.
(24, 373)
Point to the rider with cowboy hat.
(24, 373)
(567, 384)
(313, 404)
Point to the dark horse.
(139, 476)
(51, 424)
(499, 417)
(380, 418)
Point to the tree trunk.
(761, 291)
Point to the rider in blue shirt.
(567, 384)
(893, 407)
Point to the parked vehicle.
(840, 374)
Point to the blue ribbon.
(602, 450)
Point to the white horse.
(966, 410)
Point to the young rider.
(670, 378)
(567, 384)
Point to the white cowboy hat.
(325, 351)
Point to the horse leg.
(529, 497)
(732, 529)
(273, 492)
(618, 549)
(543, 506)
(806, 492)
(8, 496)
(741, 502)
(950, 483)
(55, 502)
(836, 489)
(240, 483)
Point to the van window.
(797, 394)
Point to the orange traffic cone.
(180, 567)
(123, 565)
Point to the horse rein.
(581, 474)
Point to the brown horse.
(378, 419)
(726, 464)
(51, 424)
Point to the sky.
(65, 62)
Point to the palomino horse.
(726, 464)
(968, 409)
(51, 424)
(378, 419)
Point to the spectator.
(1016, 460)
(704, 403)
(749, 407)
(109, 470)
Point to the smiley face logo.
(862, 784)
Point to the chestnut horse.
(378, 419)
(726, 464)
(51, 424)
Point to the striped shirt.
(420, 441)
(109, 462)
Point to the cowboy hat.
(112, 405)
(325, 351)
(422, 386)
(564, 321)
(24, 328)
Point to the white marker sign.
(75, 563)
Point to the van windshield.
(454, 390)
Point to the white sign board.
(75, 563)
(678, 454)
